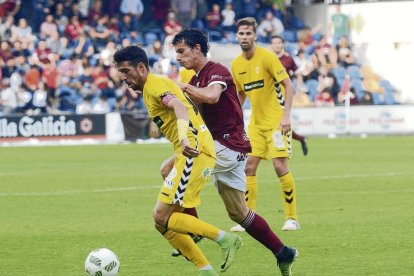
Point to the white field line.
(121, 189)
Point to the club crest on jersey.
(206, 172)
(169, 181)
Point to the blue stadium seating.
(312, 86)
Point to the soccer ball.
(102, 262)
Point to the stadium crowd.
(56, 55)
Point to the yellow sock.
(187, 247)
(186, 224)
(288, 192)
(251, 191)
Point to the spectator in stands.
(95, 12)
(83, 46)
(101, 106)
(100, 33)
(345, 55)
(84, 107)
(347, 94)
(48, 27)
(6, 51)
(23, 33)
(32, 78)
(134, 8)
(61, 17)
(328, 82)
(155, 52)
(6, 24)
(201, 15)
(185, 11)
(367, 99)
(327, 54)
(339, 25)
(249, 8)
(19, 51)
(8, 98)
(70, 68)
(128, 29)
(50, 78)
(269, 27)
(9, 67)
(324, 99)
(44, 54)
(159, 10)
(228, 23)
(105, 56)
(9, 7)
(172, 26)
(74, 29)
(39, 100)
(214, 18)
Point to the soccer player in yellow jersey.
(183, 126)
(259, 75)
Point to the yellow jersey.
(260, 79)
(155, 89)
(186, 75)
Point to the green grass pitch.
(355, 202)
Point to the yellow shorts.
(270, 143)
(186, 179)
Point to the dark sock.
(258, 228)
(297, 136)
(191, 212)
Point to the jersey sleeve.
(162, 92)
(219, 74)
(275, 67)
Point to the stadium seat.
(377, 98)
(339, 73)
(290, 36)
(312, 86)
(292, 48)
(367, 72)
(354, 72)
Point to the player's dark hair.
(132, 54)
(192, 37)
(249, 21)
(278, 37)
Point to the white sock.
(207, 267)
(220, 235)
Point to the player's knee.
(159, 217)
(250, 170)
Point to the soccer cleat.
(237, 228)
(176, 253)
(291, 225)
(285, 259)
(208, 273)
(229, 244)
(304, 144)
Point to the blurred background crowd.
(55, 55)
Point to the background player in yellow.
(183, 126)
(259, 75)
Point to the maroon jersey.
(224, 119)
(289, 64)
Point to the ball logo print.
(102, 262)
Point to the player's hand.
(187, 150)
(284, 125)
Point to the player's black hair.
(279, 37)
(132, 54)
(192, 37)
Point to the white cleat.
(291, 225)
(237, 228)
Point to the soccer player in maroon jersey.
(213, 90)
(277, 45)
